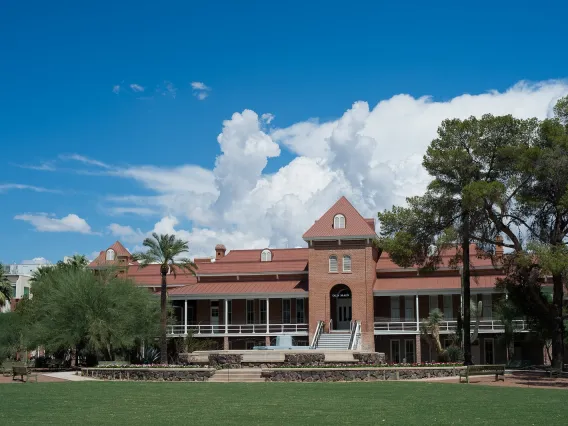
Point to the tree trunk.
(466, 291)
(558, 331)
(163, 322)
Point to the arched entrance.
(340, 304)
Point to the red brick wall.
(361, 281)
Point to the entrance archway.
(340, 304)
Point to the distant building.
(19, 275)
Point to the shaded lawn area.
(278, 403)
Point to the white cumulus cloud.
(46, 223)
(370, 154)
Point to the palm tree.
(5, 287)
(165, 250)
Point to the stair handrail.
(355, 329)
(317, 334)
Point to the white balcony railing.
(485, 326)
(236, 329)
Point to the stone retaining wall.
(220, 361)
(150, 374)
(355, 374)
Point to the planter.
(150, 374)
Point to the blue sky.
(89, 157)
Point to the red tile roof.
(386, 263)
(432, 283)
(242, 287)
(248, 261)
(150, 276)
(355, 224)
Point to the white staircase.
(334, 341)
(242, 375)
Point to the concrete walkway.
(70, 376)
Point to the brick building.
(339, 292)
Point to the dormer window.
(266, 256)
(339, 221)
(110, 254)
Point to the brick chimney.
(498, 246)
(220, 250)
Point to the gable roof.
(355, 224)
(119, 250)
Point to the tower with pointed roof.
(342, 271)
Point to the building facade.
(19, 276)
(339, 292)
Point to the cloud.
(45, 166)
(116, 89)
(198, 85)
(372, 155)
(85, 160)
(46, 223)
(167, 88)
(267, 117)
(140, 211)
(200, 90)
(9, 186)
(37, 261)
(136, 88)
(126, 233)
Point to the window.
(266, 256)
(26, 291)
(333, 263)
(409, 351)
(250, 311)
(262, 309)
(395, 308)
(300, 317)
(395, 351)
(13, 292)
(229, 311)
(346, 263)
(487, 307)
(190, 317)
(339, 221)
(110, 254)
(250, 344)
(286, 311)
(448, 308)
(409, 308)
(433, 303)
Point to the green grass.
(279, 403)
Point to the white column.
(417, 315)
(185, 317)
(267, 315)
(226, 316)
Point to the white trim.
(337, 221)
(244, 274)
(340, 237)
(439, 292)
(239, 296)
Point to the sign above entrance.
(341, 295)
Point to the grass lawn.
(279, 403)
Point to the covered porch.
(269, 315)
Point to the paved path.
(70, 376)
